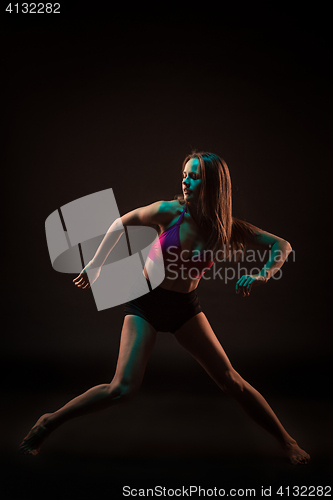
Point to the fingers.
(81, 283)
(78, 279)
(249, 286)
(244, 285)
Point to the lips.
(186, 191)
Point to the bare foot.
(296, 455)
(32, 442)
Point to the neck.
(192, 209)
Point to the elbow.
(117, 225)
(287, 247)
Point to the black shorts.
(165, 310)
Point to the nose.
(185, 181)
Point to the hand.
(245, 283)
(82, 280)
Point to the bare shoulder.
(172, 207)
(159, 213)
(164, 211)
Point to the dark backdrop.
(99, 98)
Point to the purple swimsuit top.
(172, 253)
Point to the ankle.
(49, 421)
(289, 442)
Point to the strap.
(181, 215)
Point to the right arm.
(158, 213)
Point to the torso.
(192, 243)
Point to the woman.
(188, 228)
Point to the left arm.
(280, 250)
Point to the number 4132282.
(34, 8)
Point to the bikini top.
(171, 248)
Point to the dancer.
(192, 230)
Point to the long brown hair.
(215, 207)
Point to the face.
(191, 180)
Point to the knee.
(232, 383)
(122, 391)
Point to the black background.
(102, 97)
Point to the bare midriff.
(182, 283)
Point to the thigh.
(136, 343)
(199, 339)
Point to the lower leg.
(259, 410)
(255, 405)
(137, 341)
(95, 399)
(198, 338)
